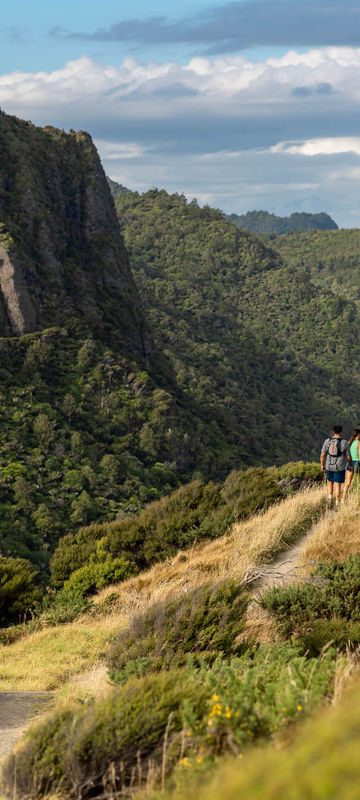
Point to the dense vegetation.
(330, 258)
(271, 352)
(325, 610)
(263, 222)
(74, 439)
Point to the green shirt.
(354, 450)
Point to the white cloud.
(316, 147)
(115, 151)
(85, 81)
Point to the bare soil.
(17, 710)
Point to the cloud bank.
(277, 134)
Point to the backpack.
(335, 450)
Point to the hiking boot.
(330, 502)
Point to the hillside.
(93, 423)
(263, 222)
(238, 324)
(331, 258)
(184, 670)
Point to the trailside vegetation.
(189, 515)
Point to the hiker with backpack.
(335, 456)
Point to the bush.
(206, 620)
(258, 694)
(339, 632)
(101, 570)
(18, 591)
(335, 593)
(76, 749)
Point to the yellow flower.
(299, 708)
(215, 697)
(199, 760)
(228, 713)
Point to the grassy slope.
(37, 660)
(249, 543)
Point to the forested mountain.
(114, 391)
(93, 424)
(246, 332)
(263, 222)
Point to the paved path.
(17, 710)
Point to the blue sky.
(243, 104)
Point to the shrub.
(206, 620)
(258, 694)
(75, 750)
(18, 591)
(335, 593)
(339, 632)
(101, 570)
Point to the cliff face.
(62, 257)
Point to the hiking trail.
(17, 711)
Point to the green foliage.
(304, 609)
(193, 513)
(331, 259)
(238, 323)
(101, 570)
(194, 710)
(74, 749)
(257, 695)
(206, 620)
(18, 591)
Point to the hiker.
(335, 454)
(354, 444)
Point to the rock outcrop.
(62, 257)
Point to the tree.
(18, 592)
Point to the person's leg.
(348, 481)
(337, 488)
(339, 479)
(330, 488)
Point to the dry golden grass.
(46, 659)
(247, 545)
(49, 658)
(335, 536)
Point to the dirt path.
(284, 570)
(17, 710)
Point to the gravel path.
(17, 710)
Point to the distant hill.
(263, 222)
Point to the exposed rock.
(62, 256)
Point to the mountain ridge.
(265, 222)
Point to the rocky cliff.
(62, 257)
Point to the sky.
(248, 104)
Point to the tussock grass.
(334, 537)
